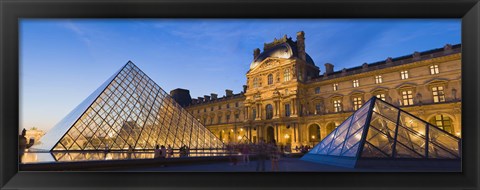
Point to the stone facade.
(286, 100)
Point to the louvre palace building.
(289, 100)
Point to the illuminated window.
(381, 96)
(335, 87)
(443, 122)
(438, 94)
(256, 82)
(317, 108)
(378, 79)
(434, 69)
(337, 105)
(270, 79)
(317, 90)
(357, 103)
(286, 75)
(404, 75)
(407, 97)
(287, 110)
(356, 83)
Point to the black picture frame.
(13, 10)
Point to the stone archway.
(314, 133)
(330, 127)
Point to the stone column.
(277, 109)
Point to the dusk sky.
(63, 61)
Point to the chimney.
(200, 99)
(244, 88)
(328, 68)
(214, 96)
(256, 53)
(447, 48)
(228, 93)
(416, 55)
(301, 45)
(181, 96)
(207, 98)
(388, 60)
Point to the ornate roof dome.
(283, 48)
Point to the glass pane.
(411, 140)
(370, 151)
(441, 138)
(402, 151)
(389, 112)
(352, 151)
(435, 151)
(380, 140)
(417, 126)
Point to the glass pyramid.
(128, 110)
(379, 130)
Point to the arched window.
(256, 82)
(286, 75)
(314, 133)
(270, 79)
(269, 111)
(443, 122)
(330, 128)
(254, 113)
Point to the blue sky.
(62, 61)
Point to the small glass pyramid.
(379, 130)
(128, 111)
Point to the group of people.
(162, 152)
(303, 149)
(184, 151)
(261, 150)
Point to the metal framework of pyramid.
(380, 131)
(128, 110)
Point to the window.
(211, 109)
(256, 82)
(270, 79)
(198, 111)
(443, 122)
(219, 119)
(335, 87)
(204, 109)
(269, 111)
(317, 90)
(254, 113)
(287, 110)
(357, 103)
(407, 97)
(236, 116)
(204, 121)
(378, 79)
(219, 107)
(434, 69)
(228, 118)
(381, 96)
(355, 83)
(404, 75)
(438, 94)
(228, 106)
(236, 104)
(317, 108)
(286, 75)
(211, 120)
(337, 105)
